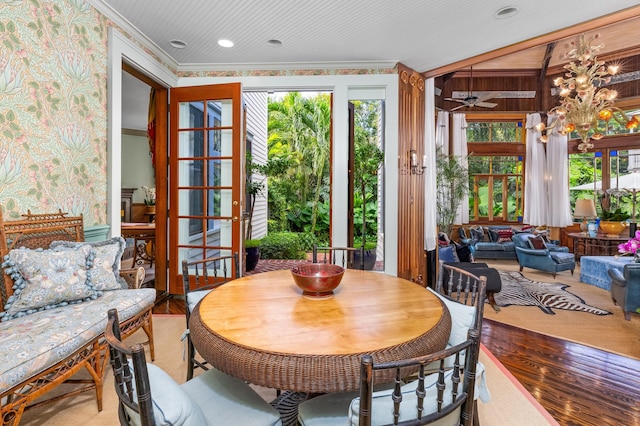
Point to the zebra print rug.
(518, 290)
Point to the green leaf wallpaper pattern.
(53, 115)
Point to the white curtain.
(535, 191)
(460, 151)
(442, 132)
(430, 232)
(559, 212)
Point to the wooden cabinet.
(126, 198)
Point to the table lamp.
(585, 208)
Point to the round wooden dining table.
(260, 329)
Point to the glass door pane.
(205, 171)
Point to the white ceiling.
(421, 34)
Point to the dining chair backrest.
(460, 285)
(133, 390)
(199, 277)
(448, 393)
(343, 256)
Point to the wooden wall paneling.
(411, 188)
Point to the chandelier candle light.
(583, 100)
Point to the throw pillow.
(45, 279)
(537, 243)
(493, 236)
(477, 234)
(448, 254)
(504, 235)
(105, 271)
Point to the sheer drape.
(559, 212)
(442, 132)
(535, 191)
(460, 151)
(430, 172)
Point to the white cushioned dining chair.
(148, 396)
(199, 277)
(445, 384)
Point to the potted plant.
(452, 184)
(150, 199)
(253, 188)
(611, 219)
(252, 252)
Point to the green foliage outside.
(299, 142)
(282, 245)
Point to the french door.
(205, 169)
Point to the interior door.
(205, 170)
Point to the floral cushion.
(33, 343)
(105, 271)
(45, 279)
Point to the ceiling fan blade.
(486, 104)
(458, 107)
(485, 97)
(455, 100)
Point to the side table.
(600, 245)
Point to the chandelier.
(583, 100)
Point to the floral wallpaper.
(53, 108)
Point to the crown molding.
(283, 66)
(132, 31)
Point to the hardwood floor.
(577, 384)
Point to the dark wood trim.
(593, 24)
(411, 196)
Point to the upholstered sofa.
(533, 252)
(625, 288)
(55, 292)
(493, 242)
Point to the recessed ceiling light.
(506, 12)
(225, 43)
(178, 44)
(275, 42)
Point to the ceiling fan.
(471, 100)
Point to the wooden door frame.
(162, 178)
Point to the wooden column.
(411, 255)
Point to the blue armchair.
(625, 288)
(543, 257)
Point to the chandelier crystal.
(583, 100)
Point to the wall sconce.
(413, 162)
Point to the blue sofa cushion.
(490, 247)
(560, 257)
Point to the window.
(496, 172)
(495, 131)
(495, 188)
(197, 178)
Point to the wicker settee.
(44, 346)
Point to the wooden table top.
(265, 315)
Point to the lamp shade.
(585, 208)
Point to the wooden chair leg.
(492, 301)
